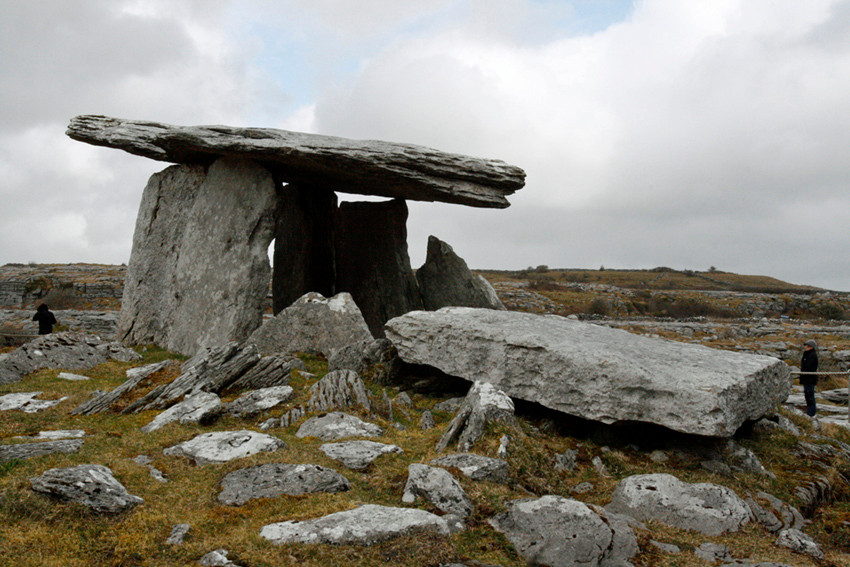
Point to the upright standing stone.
(199, 272)
(372, 261)
(303, 248)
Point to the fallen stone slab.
(594, 372)
(251, 403)
(337, 425)
(26, 402)
(224, 446)
(366, 167)
(439, 487)
(275, 479)
(313, 323)
(707, 508)
(194, 409)
(560, 532)
(56, 434)
(358, 455)
(366, 525)
(31, 450)
(476, 467)
(90, 485)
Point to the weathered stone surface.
(445, 280)
(559, 532)
(26, 402)
(89, 485)
(274, 479)
(71, 377)
(372, 263)
(484, 403)
(30, 450)
(337, 425)
(251, 403)
(595, 372)
(351, 166)
(207, 251)
(178, 534)
(437, 486)
(375, 359)
(106, 400)
(313, 324)
(774, 514)
(358, 455)
(270, 371)
(702, 507)
(217, 558)
(476, 467)
(194, 409)
(713, 552)
(365, 525)
(799, 542)
(223, 446)
(72, 351)
(339, 389)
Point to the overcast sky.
(675, 133)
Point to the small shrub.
(600, 306)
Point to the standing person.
(809, 363)
(46, 319)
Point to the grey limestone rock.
(105, 400)
(31, 450)
(566, 461)
(439, 487)
(178, 534)
(26, 402)
(800, 542)
(269, 371)
(358, 455)
(742, 459)
(713, 552)
(476, 467)
(202, 234)
(71, 377)
(90, 485)
(251, 403)
(427, 421)
(365, 525)
(665, 547)
(376, 359)
(595, 372)
(484, 403)
(367, 167)
(313, 323)
(706, 508)
(445, 280)
(337, 425)
(560, 532)
(274, 479)
(339, 389)
(195, 408)
(223, 446)
(217, 558)
(774, 514)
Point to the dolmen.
(199, 272)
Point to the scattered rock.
(196, 408)
(799, 542)
(706, 508)
(337, 425)
(476, 467)
(552, 530)
(105, 400)
(426, 422)
(365, 525)
(26, 402)
(72, 377)
(357, 455)
(31, 450)
(665, 547)
(484, 403)
(274, 479)
(376, 360)
(583, 488)
(713, 552)
(774, 514)
(178, 534)
(251, 403)
(270, 371)
(90, 485)
(339, 389)
(217, 558)
(223, 446)
(437, 486)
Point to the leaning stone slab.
(365, 525)
(194, 409)
(438, 487)
(358, 455)
(595, 372)
(270, 371)
(337, 390)
(476, 467)
(26, 402)
(484, 403)
(313, 323)
(251, 403)
(106, 400)
(224, 446)
(366, 167)
(560, 532)
(337, 425)
(275, 479)
(706, 508)
(30, 450)
(89, 485)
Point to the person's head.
(43, 307)
(810, 345)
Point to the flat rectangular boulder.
(595, 372)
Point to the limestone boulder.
(445, 280)
(375, 360)
(90, 485)
(439, 487)
(337, 425)
(595, 372)
(560, 532)
(799, 542)
(707, 508)
(224, 446)
(314, 323)
(366, 525)
(195, 408)
(476, 467)
(274, 479)
(337, 390)
(358, 455)
(251, 403)
(26, 402)
(484, 403)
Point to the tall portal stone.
(372, 263)
(199, 271)
(303, 248)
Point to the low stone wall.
(19, 321)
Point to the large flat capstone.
(594, 372)
(367, 167)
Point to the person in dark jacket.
(809, 363)
(46, 319)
